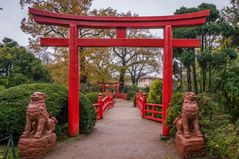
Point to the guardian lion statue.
(38, 121)
(188, 119)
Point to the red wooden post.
(73, 85)
(143, 105)
(167, 75)
(100, 106)
(121, 33)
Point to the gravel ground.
(122, 134)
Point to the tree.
(231, 15)
(210, 34)
(155, 92)
(17, 64)
(147, 65)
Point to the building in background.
(146, 81)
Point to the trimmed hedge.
(14, 101)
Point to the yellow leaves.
(59, 72)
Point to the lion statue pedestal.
(189, 140)
(38, 137)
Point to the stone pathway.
(122, 134)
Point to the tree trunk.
(203, 80)
(189, 80)
(181, 76)
(195, 78)
(209, 80)
(121, 79)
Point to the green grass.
(3, 149)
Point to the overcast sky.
(12, 14)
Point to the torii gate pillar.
(73, 84)
(167, 75)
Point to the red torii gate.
(120, 24)
(116, 85)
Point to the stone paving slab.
(122, 134)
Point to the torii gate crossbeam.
(120, 24)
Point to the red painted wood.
(167, 74)
(145, 107)
(121, 33)
(104, 104)
(73, 84)
(177, 43)
(181, 20)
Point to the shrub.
(230, 91)
(155, 92)
(173, 111)
(2, 88)
(18, 79)
(221, 136)
(88, 115)
(92, 96)
(14, 101)
(130, 95)
(135, 101)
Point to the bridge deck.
(122, 134)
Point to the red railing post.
(100, 107)
(143, 105)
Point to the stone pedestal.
(189, 147)
(31, 148)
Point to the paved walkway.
(122, 134)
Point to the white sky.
(12, 14)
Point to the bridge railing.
(104, 104)
(148, 110)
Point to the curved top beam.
(180, 20)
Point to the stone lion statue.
(188, 119)
(38, 121)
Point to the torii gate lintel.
(120, 24)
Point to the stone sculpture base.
(189, 147)
(31, 148)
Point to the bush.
(130, 95)
(135, 101)
(173, 111)
(155, 92)
(14, 101)
(221, 136)
(92, 96)
(88, 115)
(18, 79)
(2, 88)
(230, 91)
